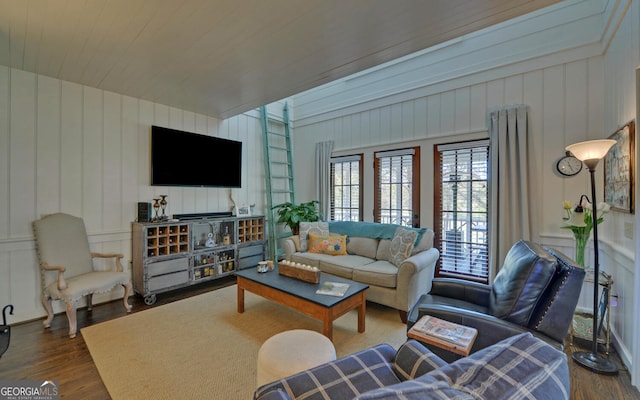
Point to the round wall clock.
(568, 165)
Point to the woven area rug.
(201, 347)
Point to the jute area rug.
(201, 347)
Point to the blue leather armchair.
(536, 291)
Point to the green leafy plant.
(292, 214)
(582, 228)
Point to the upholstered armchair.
(66, 267)
(536, 290)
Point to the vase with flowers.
(580, 221)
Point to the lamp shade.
(577, 219)
(591, 150)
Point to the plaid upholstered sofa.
(519, 367)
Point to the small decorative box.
(303, 272)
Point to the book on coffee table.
(337, 289)
(444, 334)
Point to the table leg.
(327, 328)
(361, 313)
(240, 298)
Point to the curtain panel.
(510, 182)
(323, 178)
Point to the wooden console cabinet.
(171, 255)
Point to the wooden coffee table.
(301, 296)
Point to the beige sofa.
(393, 282)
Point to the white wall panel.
(71, 145)
(22, 156)
(433, 115)
(576, 99)
(129, 160)
(478, 107)
(407, 120)
(495, 94)
(92, 156)
(420, 117)
(5, 282)
(374, 125)
(112, 204)
(448, 112)
(146, 118)
(462, 110)
(48, 146)
(5, 129)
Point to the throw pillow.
(335, 245)
(401, 245)
(318, 228)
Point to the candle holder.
(156, 208)
(163, 204)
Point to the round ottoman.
(290, 352)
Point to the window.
(397, 183)
(461, 210)
(346, 188)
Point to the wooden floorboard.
(48, 354)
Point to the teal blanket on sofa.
(372, 230)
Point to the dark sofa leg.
(403, 316)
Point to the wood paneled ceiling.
(224, 57)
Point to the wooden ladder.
(278, 166)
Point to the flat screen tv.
(181, 158)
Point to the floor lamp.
(590, 153)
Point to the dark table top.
(300, 288)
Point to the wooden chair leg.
(125, 298)
(90, 302)
(71, 316)
(46, 303)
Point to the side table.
(582, 324)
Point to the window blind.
(397, 186)
(462, 209)
(346, 188)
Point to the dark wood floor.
(38, 354)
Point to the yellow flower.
(567, 205)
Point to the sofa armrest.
(290, 246)
(473, 292)
(359, 372)
(491, 330)
(414, 360)
(414, 277)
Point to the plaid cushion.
(520, 367)
(424, 389)
(413, 360)
(344, 378)
(277, 394)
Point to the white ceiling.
(224, 57)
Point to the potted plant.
(292, 214)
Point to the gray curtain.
(510, 183)
(323, 177)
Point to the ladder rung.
(277, 148)
(280, 162)
(281, 177)
(277, 134)
(281, 191)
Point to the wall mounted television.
(181, 158)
